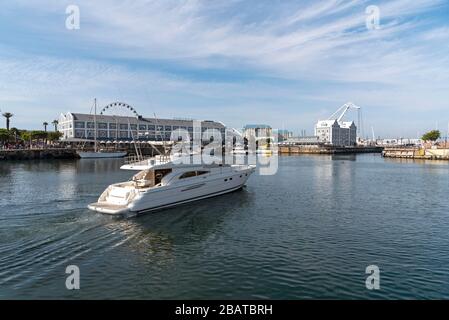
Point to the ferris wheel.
(119, 109)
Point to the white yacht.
(166, 185)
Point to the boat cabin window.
(159, 174)
(148, 178)
(190, 174)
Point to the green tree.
(38, 135)
(8, 116)
(433, 135)
(45, 124)
(25, 135)
(5, 135)
(15, 133)
(54, 136)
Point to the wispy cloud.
(203, 57)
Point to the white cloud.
(325, 43)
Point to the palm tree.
(45, 124)
(7, 115)
(55, 123)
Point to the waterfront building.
(79, 126)
(337, 133)
(284, 135)
(257, 130)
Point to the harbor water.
(307, 232)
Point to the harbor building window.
(160, 128)
(80, 124)
(113, 126)
(123, 126)
(102, 134)
(102, 125)
(142, 127)
(167, 128)
(91, 125)
(151, 127)
(91, 134)
(123, 134)
(112, 134)
(133, 126)
(79, 134)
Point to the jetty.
(327, 149)
(433, 153)
(38, 154)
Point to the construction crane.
(343, 109)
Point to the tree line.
(14, 135)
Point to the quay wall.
(416, 153)
(327, 150)
(38, 154)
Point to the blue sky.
(284, 63)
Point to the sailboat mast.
(95, 124)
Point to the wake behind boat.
(167, 185)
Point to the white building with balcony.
(336, 133)
(78, 126)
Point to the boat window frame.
(184, 173)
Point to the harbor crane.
(343, 109)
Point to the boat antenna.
(95, 124)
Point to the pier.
(38, 154)
(416, 153)
(322, 149)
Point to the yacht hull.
(122, 210)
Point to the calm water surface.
(307, 232)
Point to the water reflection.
(417, 161)
(344, 157)
(158, 233)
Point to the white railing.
(143, 160)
